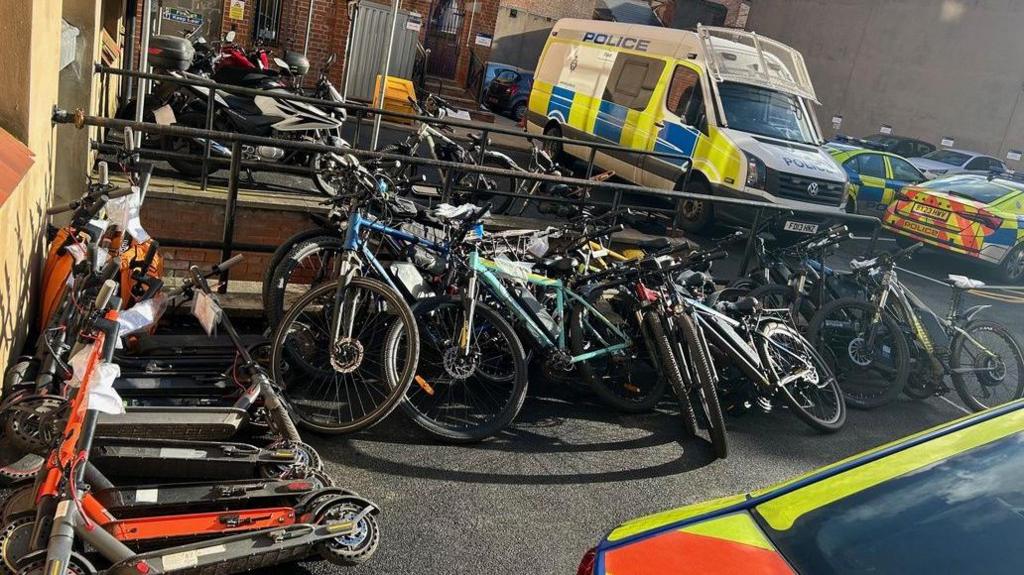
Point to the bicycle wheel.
(627, 380)
(872, 374)
(706, 389)
(307, 265)
(814, 396)
(461, 398)
(500, 203)
(350, 383)
(783, 297)
(667, 358)
(283, 250)
(986, 362)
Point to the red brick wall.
(163, 218)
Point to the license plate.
(931, 212)
(801, 227)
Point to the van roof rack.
(741, 56)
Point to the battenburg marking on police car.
(616, 41)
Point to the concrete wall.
(28, 92)
(929, 68)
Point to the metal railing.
(228, 245)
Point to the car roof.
(994, 179)
(1005, 418)
(971, 153)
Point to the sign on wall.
(885, 129)
(1013, 155)
(946, 142)
(415, 22)
(237, 11)
(837, 122)
(182, 16)
(484, 40)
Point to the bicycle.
(956, 345)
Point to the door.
(868, 177)
(899, 173)
(443, 33)
(682, 125)
(625, 114)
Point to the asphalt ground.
(533, 499)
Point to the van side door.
(625, 114)
(682, 126)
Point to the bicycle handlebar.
(599, 233)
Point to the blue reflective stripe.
(610, 119)
(560, 102)
(678, 139)
(1002, 237)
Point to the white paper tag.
(146, 495)
(206, 311)
(180, 453)
(190, 558)
(102, 395)
(165, 115)
(77, 252)
(124, 212)
(62, 509)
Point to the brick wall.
(269, 226)
(554, 9)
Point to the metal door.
(370, 31)
(443, 34)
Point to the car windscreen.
(948, 157)
(507, 76)
(964, 514)
(972, 187)
(765, 112)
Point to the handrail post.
(229, 211)
(749, 249)
(874, 239)
(206, 147)
(590, 162)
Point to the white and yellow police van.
(737, 103)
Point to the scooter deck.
(173, 459)
(234, 554)
(174, 385)
(162, 499)
(193, 423)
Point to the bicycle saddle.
(963, 282)
(555, 266)
(745, 305)
(654, 244)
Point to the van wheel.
(694, 215)
(554, 149)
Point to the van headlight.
(757, 172)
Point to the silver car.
(949, 161)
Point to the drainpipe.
(143, 85)
(353, 8)
(384, 75)
(129, 46)
(309, 25)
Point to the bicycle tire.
(276, 288)
(417, 397)
(622, 395)
(783, 296)
(282, 251)
(850, 370)
(397, 377)
(822, 370)
(959, 347)
(500, 203)
(706, 389)
(663, 349)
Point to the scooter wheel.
(22, 470)
(20, 502)
(307, 460)
(14, 543)
(356, 547)
(30, 423)
(77, 566)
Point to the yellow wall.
(31, 33)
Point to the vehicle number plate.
(801, 227)
(931, 212)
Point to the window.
(632, 80)
(903, 171)
(507, 76)
(982, 163)
(267, 20)
(766, 112)
(923, 148)
(554, 59)
(685, 98)
(871, 165)
(959, 515)
(948, 157)
(973, 187)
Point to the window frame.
(697, 92)
(623, 59)
(260, 13)
(881, 160)
(892, 166)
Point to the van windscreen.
(765, 112)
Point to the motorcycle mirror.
(230, 36)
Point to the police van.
(737, 103)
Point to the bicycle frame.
(486, 270)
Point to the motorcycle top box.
(298, 64)
(171, 53)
